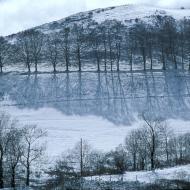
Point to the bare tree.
(14, 151)
(152, 127)
(161, 39)
(95, 41)
(110, 45)
(130, 46)
(150, 44)
(182, 40)
(141, 35)
(132, 146)
(104, 40)
(5, 124)
(80, 41)
(4, 47)
(187, 40)
(120, 159)
(32, 150)
(52, 52)
(65, 45)
(187, 146)
(37, 41)
(118, 43)
(137, 148)
(165, 137)
(81, 156)
(25, 49)
(142, 148)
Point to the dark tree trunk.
(67, 61)
(152, 154)
(28, 168)
(110, 52)
(54, 68)
(13, 185)
(131, 60)
(1, 65)
(118, 68)
(118, 55)
(67, 67)
(134, 162)
(79, 58)
(163, 60)
(98, 64)
(97, 59)
(167, 156)
(144, 58)
(105, 57)
(28, 175)
(151, 61)
(142, 164)
(81, 158)
(28, 65)
(182, 57)
(175, 61)
(111, 61)
(152, 160)
(111, 66)
(1, 173)
(36, 67)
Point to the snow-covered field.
(175, 173)
(101, 108)
(64, 131)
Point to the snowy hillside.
(131, 12)
(127, 14)
(123, 38)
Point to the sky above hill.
(17, 15)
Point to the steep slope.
(127, 14)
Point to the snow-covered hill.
(127, 14)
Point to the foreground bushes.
(152, 146)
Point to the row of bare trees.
(155, 146)
(20, 150)
(162, 44)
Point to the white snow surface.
(175, 173)
(65, 131)
(131, 12)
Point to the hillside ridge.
(124, 13)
